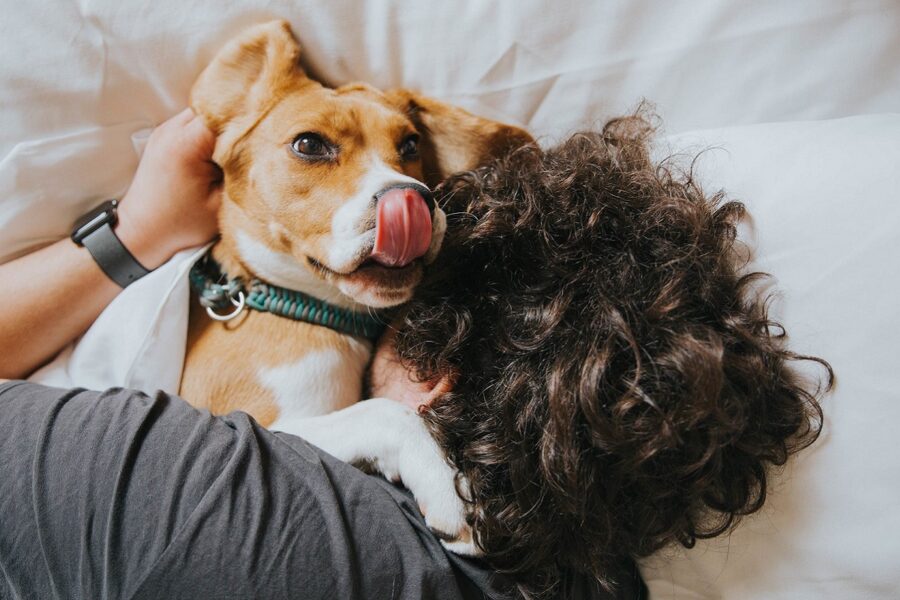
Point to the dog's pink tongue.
(402, 227)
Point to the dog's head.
(327, 190)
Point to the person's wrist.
(145, 243)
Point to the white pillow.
(825, 201)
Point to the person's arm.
(58, 291)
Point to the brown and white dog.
(325, 193)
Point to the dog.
(326, 218)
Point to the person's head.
(617, 382)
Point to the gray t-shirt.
(122, 495)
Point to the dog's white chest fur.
(321, 381)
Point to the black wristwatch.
(94, 231)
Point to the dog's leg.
(393, 439)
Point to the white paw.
(394, 440)
(426, 473)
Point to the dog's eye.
(311, 145)
(409, 148)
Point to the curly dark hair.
(618, 382)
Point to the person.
(119, 494)
(171, 204)
(611, 380)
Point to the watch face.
(91, 221)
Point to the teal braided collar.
(218, 293)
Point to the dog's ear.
(454, 139)
(246, 76)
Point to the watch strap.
(113, 257)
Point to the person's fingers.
(444, 385)
(168, 131)
(201, 136)
(174, 124)
(215, 198)
(197, 123)
(183, 117)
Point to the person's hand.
(388, 378)
(173, 201)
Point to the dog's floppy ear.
(454, 139)
(245, 77)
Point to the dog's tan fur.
(256, 98)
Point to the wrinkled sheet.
(77, 78)
(769, 83)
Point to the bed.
(795, 104)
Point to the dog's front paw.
(392, 439)
(432, 481)
(422, 468)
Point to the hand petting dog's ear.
(173, 201)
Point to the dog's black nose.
(409, 185)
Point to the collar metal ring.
(239, 305)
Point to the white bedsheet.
(77, 77)
(80, 83)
